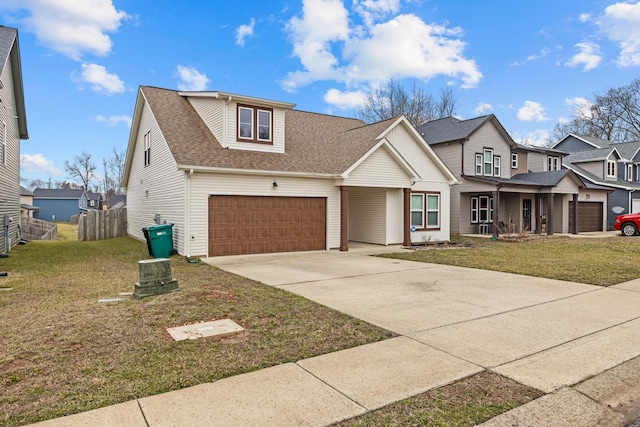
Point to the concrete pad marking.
(384, 372)
(122, 414)
(284, 395)
(221, 327)
(618, 388)
(577, 360)
(499, 339)
(566, 408)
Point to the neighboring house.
(506, 187)
(117, 201)
(237, 174)
(26, 203)
(13, 128)
(59, 204)
(94, 201)
(615, 166)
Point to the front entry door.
(526, 215)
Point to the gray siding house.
(506, 187)
(13, 128)
(614, 166)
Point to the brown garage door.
(589, 216)
(259, 224)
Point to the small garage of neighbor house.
(265, 224)
(589, 216)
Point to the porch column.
(496, 209)
(406, 214)
(574, 228)
(344, 218)
(538, 207)
(550, 214)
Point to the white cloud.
(537, 138)
(38, 163)
(542, 54)
(621, 24)
(114, 120)
(588, 55)
(191, 79)
(579, 106)
(531, 111)
(344, 100)
(483, 108)
(244, 31)
(330, 48)
(100, 79)
(71, 27)
(584, 17)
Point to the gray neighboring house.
(602, 163)
(26, 203)
(13, 128)
(60, 204)
(506, 187)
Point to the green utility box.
(159, 240)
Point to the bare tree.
(393, 100)
(614, 116)
(82, 168)
(116, 167)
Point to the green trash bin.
(161, 240)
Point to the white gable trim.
(395, 155)
(422, 143)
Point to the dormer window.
(611, 169)
(255, 124)
(553, 163)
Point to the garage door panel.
(260, 224)
(589, 216)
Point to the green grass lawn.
(63, 352)
(598, 261)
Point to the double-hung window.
(255, 124)
(147, 148)
(425, 210)
(611, 168)
(514, 160)
(487, 164)
(630, 172)
(553, 163)
(481, 209)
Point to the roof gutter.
(237, 171)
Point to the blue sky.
(530, 63)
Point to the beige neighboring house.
(237, 174)
(13, 128)
(26, 203)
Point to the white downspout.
(225, 126)
(187, 214)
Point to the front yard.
(597, 261)
(64, 352)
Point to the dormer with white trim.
(241, 122)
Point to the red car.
(628, 224)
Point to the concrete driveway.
(544, 333)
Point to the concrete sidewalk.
(578, 343)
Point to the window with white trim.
(514, 160)
(629, 172)
(487, 164)
(255, 124)
(147, 148)
(481, 209)
(553, 163)
(611, 169)
(425, 210)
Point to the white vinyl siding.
(395, 216)
(211, 110)
(380, 169)
(367, 215)
(203, 185)
(157, 188)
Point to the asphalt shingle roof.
(58, 193)
(450, 129)
(315, 143)
(7, 37)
